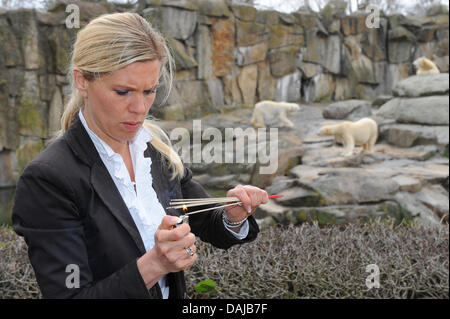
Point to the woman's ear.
(80, 82)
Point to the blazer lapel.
(81, 144)
(108, 192)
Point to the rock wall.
(228, 56)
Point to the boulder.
(316, 46)
(299, 196)
(400, 45)
(244, 12)
(215, 8)
(288, 88)
(394, 74)
(31, 112)
(269, 17)
(340, 214)
(333, 54)
(183, 59)
(233, 95)
(266, 83)
(339, 186)
(55, 112)
(282, 35)
(282, 61)
(344, 89)
(320, 88)
(251, 54)
(204, 53)
(309, 70)
(349, 109)
(408, 135)
(279, 184)
(429, 110)
(381, 100)
(358, 66)
(373, 42)
(29, 149)
(247, 80)
(432, 110)
(223, 34)
(250, 33)
(354, 24)
(215, 89)
(193, 95)
(8, 169)
(420, 85)
(174, 22)
(417, 209)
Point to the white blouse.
(144, 200)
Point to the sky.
(286, 5)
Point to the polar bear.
(425, 66)
(363, 132)
(269, 111)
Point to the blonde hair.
(113, 41)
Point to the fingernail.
(249, 210)
(179, 220)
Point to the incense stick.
(206, 209)
(184, 203)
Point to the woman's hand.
(170, 253)
(250, 196)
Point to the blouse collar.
(140, 140)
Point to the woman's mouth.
(132, 126)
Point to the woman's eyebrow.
(130, 87)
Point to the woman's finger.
(241, 193)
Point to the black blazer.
(69, 211)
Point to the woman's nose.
(139, 104)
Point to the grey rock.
(173, 22)
(423, 85)
(288, 88)
(349, 109)
(408, 135)
(353, 186)
(381, 100)
(431, 110)
(339, 214)
(204, 53)
(428, 110)
(417, 209)
(299, 196)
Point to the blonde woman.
(92, 205)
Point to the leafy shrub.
(304, 261)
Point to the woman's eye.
(148, 92)
(121, 92)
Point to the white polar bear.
(425, 66)
(363, 132)
(269, 111)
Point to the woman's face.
(117, 103)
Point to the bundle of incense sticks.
(184, 203)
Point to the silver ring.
(189, 251)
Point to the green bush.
(304, 261)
